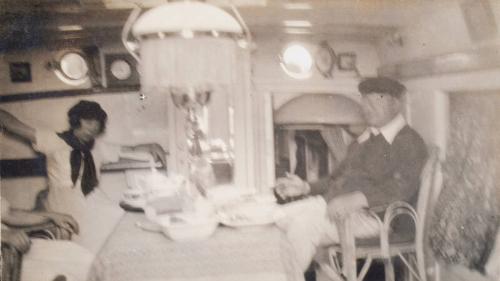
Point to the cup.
(134, 197)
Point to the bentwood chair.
(409, 247)
(12, 259)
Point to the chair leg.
(334, 260)
(11, 263)
(433, 271)
(348, 244)
(326, 272)
(410, 266)
(389, 270)
(364, 269)
(422, 272)
(412, 261)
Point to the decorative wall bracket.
(325, 59)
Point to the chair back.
(430, 187)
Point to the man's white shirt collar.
(389, 130)
(364, 136)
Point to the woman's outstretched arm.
(14, 126)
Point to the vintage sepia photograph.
(250, 140)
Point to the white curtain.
(336, 145)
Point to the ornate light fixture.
(185, 16)
(186, 49)
(185, 44)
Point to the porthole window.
(121, 69)
(72, 69)
(296, 61)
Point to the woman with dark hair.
(74, 158)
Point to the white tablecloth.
(256, 253)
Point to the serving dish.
(249, 214)
(193, 229)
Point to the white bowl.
(192, 230)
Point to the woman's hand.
(291, 186)
(17, 238)
(342, 205)
(64, 221)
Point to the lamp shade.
(185, 63)
(185, 16)
(319, 109)
(186, 44)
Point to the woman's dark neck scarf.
(89, 177)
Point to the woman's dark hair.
(88, 110)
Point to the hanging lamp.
(185, 44)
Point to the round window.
(296, 61)
(121, 69)
(73, 69)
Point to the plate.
(250, 215)
(244, 222)
(130, 208)
(148, 226)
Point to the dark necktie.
(81, 152)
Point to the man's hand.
(17, 238)
(291, 186)
(155, 150)
(64, 221)
(342, 205)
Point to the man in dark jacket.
(382, 166)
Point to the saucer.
(130, 208)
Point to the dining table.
(250, 253)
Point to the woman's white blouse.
(95, 213)
(58, 154)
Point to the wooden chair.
(12, 259)
(409, 248)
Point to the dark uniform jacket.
(383, 172)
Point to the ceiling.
(27, 23)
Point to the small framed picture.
(20, 72)
(347, 61)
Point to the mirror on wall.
(312, 132)
(217, 123)
(202, 140)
